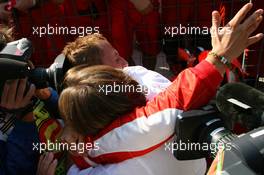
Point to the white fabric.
(155, 82)
(158, 162)
(147, 131)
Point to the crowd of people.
(127, 25)
(124, 131)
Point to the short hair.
(88, 109)
(85, 50)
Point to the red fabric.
(224, 7)
(77, 14)
(80, 162)
(193, 88)
(125, 20)
(236, 63)
(203, 12)
(183, 55)
(46, 47)
(192, 12)
(195, 13)
(82, 5)
(203, 55)
(177, 12)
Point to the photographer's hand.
(13, 94)
(231, 41)
(47, 164)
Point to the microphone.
(242, 104)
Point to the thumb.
(216, 21)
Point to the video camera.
(204, 132)
(15, 64)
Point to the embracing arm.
(149, 127)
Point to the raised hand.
(231, 41)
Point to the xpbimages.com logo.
(190, 146)
(174, 31)
(60, 146)
(126, 88)
(63, 30)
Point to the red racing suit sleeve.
(194, 87)
(149, 127)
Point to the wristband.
(222, 59)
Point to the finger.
(46, 161)
(29, 94)
(41, 158)
(21, 90)
(216, 21)
(39, 169)
(50, 158)
(52, 167)
(253, 27)
(11, 103)
(241, 14)
(4, 94)
(252, 19)
(255, 39)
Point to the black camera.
(204, 132)
(15, 64)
